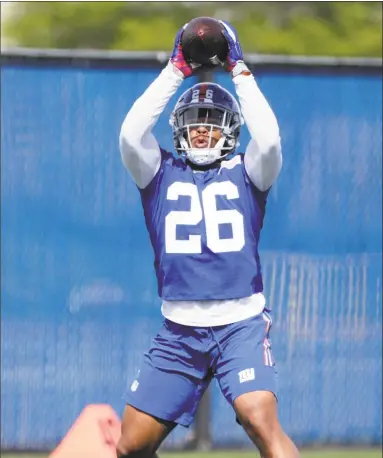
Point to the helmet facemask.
(212, 119)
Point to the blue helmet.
(211, 106)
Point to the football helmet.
(211, 106)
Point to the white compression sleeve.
(263, 156)
(139, 149)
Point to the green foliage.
(310, 28)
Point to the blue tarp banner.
(79, 297)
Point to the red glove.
(234, 62)
(178, 59)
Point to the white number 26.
(207, 208)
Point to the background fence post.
(205, 76)
(203, 423)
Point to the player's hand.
(178, 59)
(234, 62)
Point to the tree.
(311, 28)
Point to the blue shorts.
(183, 360)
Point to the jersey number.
(206, 208)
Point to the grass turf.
(346, 453)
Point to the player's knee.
(127, 447)
(264, 426)
(260, 419)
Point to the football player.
(204, 212)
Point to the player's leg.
(169, 386)
(257, 413)
(141, 434)
(247, 376)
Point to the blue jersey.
(204, 228)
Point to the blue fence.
(79, 302)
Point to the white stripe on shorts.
(267, 356)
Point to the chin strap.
(198, 155)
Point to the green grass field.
(349, 453)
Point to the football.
(203, 42)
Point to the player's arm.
(263, 156)
(139, 149)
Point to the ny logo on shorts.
(246, 375)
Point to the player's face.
(204, 137)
